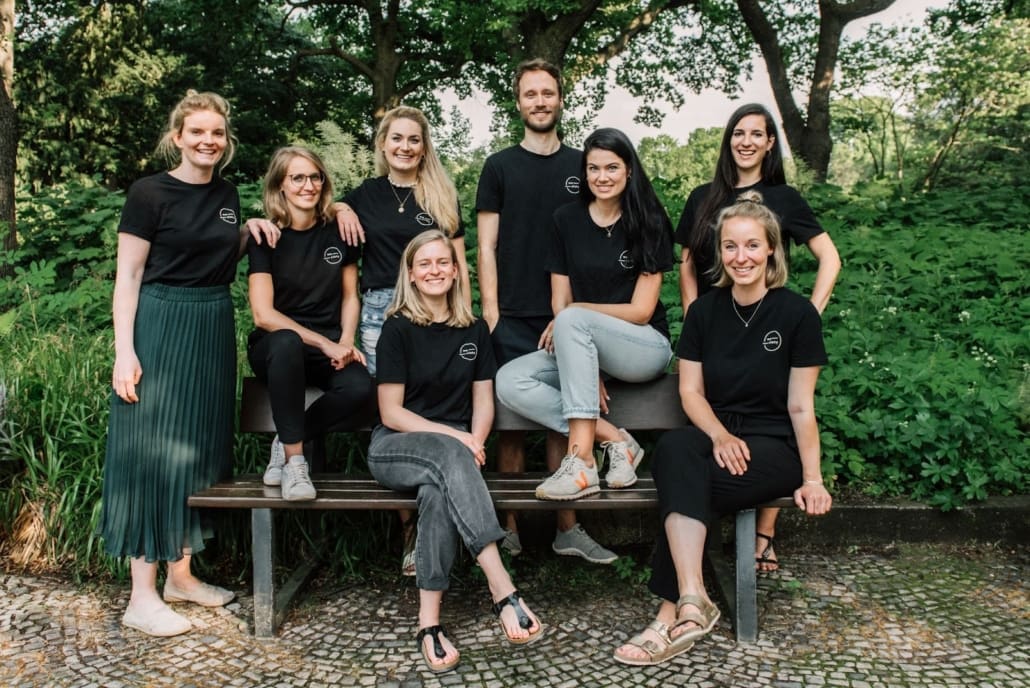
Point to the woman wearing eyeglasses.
(304, 298)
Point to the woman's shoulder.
(698, 193)
(572, 211)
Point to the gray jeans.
(453, 501)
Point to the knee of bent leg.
(572, 317)
(285, 340)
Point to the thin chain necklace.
(753, 313)
(401, 201)
(608, 230)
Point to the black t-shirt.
(193, 229)
(306, 268)
(387, 232)
(797, 222)
(747, 369)
(600, 268)
(526, 189)
(437, 365)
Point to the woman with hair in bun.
(751, 159)
(304, 298)
(749, 357)
(436, 400)
(174, 376)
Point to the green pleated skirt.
(177, 438)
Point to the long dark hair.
(644, 219)
(724, 183)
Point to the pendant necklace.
(610, 228)
(753, 313)
(401, 201)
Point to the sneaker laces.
(566, 467)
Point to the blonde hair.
(273, 200)
(434, 191)
(195, 102)
(408, 300)
(749, 204)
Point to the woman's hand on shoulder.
(813, 498)
(261, 228)
(125, 376)
(731, 453)
(350, 227)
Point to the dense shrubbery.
(926, 394)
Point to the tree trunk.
(8, 130)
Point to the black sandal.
(434, 632)
(523, 618)
(764, 558)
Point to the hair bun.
(751, 196)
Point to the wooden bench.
(650, 406)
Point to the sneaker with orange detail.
(623, 459)
(575, 542)
(573, 479)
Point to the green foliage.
(349, 162)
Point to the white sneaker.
(276, 459)
(296, 485)
(573, 479)
(623, 459)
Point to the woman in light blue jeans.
(436, 370)
(610, 250)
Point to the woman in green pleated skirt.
(171, 423)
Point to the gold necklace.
(400, 201)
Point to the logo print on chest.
(468, 351)
(333, 255)
(772, 341)
(626, 260)
(572, 185)
(425, 219)
(227, 215)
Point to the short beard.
(544, 128)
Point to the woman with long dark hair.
(610, 250)
(751, 159)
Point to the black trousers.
(286, 365)
(690, 482)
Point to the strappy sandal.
(767, 556)
(704, 620)
(523, 618)
(434, 632)
(657, 652)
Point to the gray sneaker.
(575, 542)
(623, 459)
(511, 543)
(296, 485)
(572, 480)
(276, 459)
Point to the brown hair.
(537, 65)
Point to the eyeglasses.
(298, 180)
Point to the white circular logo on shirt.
(227, 215)
(468, 351)
(626, 260)
(333, 255)
(572, 185)
(772, 341)
(425, 219)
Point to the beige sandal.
(657, 652)
(705, 620)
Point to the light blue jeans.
(453, 502)
(374, 303)
(552, 388)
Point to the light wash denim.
(551, 389)
(374, 303)
(453, 501)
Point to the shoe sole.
(572, 552)
(672, 651)
(272, 482)
(299, 498)
(593, 489)
(619, 486)
(151, 632)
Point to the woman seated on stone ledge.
(750, 354)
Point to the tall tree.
(8, 126)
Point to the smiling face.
(303, 197)
(403, 147)
(750, 142)
(202, 140)
(607, 174)
(539, 101)
(745, 250)
(433, 270)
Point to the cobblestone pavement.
(906, 616)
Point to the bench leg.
(745, 612)
(262, 533)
